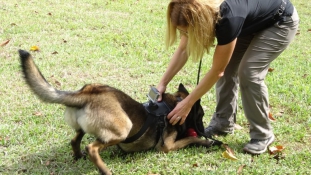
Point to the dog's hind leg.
(75, 144)
(93, 150)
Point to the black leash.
(199, 71)
(215, 142)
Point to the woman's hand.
(180, 112)
(161, 88)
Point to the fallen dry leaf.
(228, 155)
(195, 165)
(226, 146)
(276, 149)
(37, 113)
(270, 70)
(57, 83)
(4, 43)
(271, 117)
(34, 48)
(241, 169)
(276, 152)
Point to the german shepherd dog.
(110, 115)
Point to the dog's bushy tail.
(42, 88)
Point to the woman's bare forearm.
(178, 60)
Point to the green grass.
(120, 43)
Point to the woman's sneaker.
(256, 146)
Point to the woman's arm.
(221, 59)
(178, 60)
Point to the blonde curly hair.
(200, 17)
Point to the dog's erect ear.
(182, 89)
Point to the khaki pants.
(248, 68)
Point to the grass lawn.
(121, 43)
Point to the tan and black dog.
(110, 115)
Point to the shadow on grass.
(51, 159)
(57, 158)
